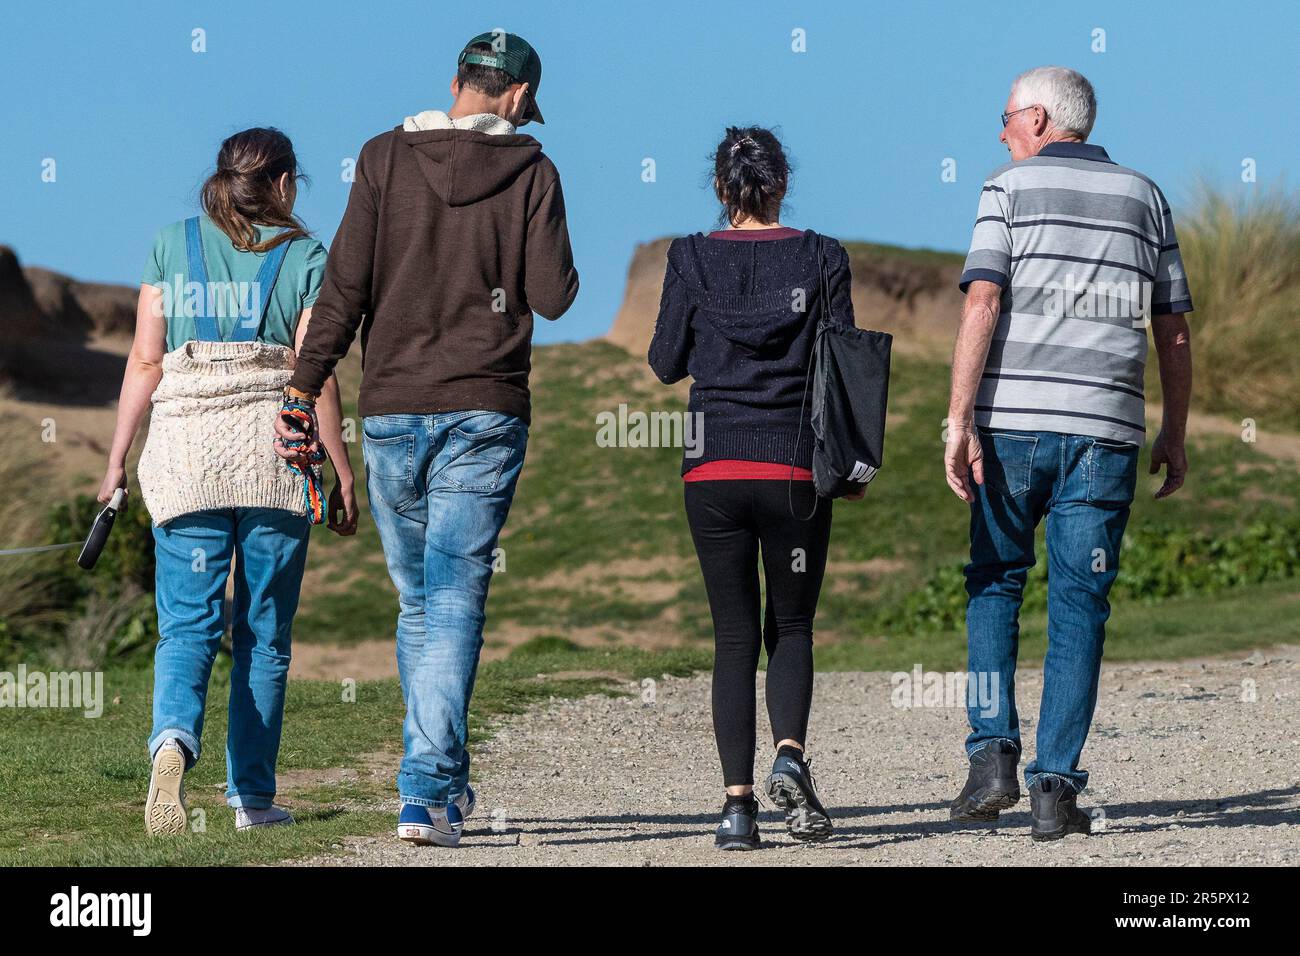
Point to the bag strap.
(246, 330)
(812, 362)
(828, 309)
(206, 328)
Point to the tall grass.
(27, 598)
(1243, 263)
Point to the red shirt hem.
(732, 469)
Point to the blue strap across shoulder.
(207, 328)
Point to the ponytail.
(244, 193)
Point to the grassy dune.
(598, 552)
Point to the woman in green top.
(224, 304)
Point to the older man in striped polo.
(1073, 258)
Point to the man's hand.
(1173, 455)
(342, 509)
(857, 495)
(963, 458)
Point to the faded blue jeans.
(194, 556)
(1083, 486)
(440, 488)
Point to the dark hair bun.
(751, 173)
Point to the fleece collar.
(488, 123)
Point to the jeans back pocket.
(390, 468)
(1112, 472)
(1008, 461)
(478, 458)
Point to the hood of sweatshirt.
(467, 159)
(759, 321)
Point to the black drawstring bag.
(849, 374)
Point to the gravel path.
(1185, 770)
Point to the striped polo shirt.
(1085, 253)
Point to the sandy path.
(1184, 770)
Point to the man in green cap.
(454, 235)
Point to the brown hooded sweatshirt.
(452, 239)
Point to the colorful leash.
(312, 494)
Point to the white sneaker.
(249, 819)
(426, 826)
(164, 808)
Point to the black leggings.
(730, 521)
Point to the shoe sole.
(164, 812)
(802, 821)
(984, 805)
(737, 845)
(1046, 836)
(735, 842)
(419, 835)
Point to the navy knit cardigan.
(740, 317)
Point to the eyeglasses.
(1006, 117)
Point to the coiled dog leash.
(302, 416)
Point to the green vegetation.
(54, 612)
(1158, 563)
(597, 550)
(27, 603)
(598, 541)
(50, 609)
(72, 789)
(1243, 262)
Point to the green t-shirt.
(295, 289)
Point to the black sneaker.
(1055, 808)
(739, 827)
(791, 787)
(991, 786)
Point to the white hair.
(1066, 94)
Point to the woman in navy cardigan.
(738, 314)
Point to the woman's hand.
(303, 455)
(114, 478)
(342, 508)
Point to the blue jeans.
(194, 556)
(440, 488)
(1083, 486)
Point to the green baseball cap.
(515, 56)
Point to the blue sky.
(884, 93)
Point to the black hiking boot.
(1055, 808)
(991, 786)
